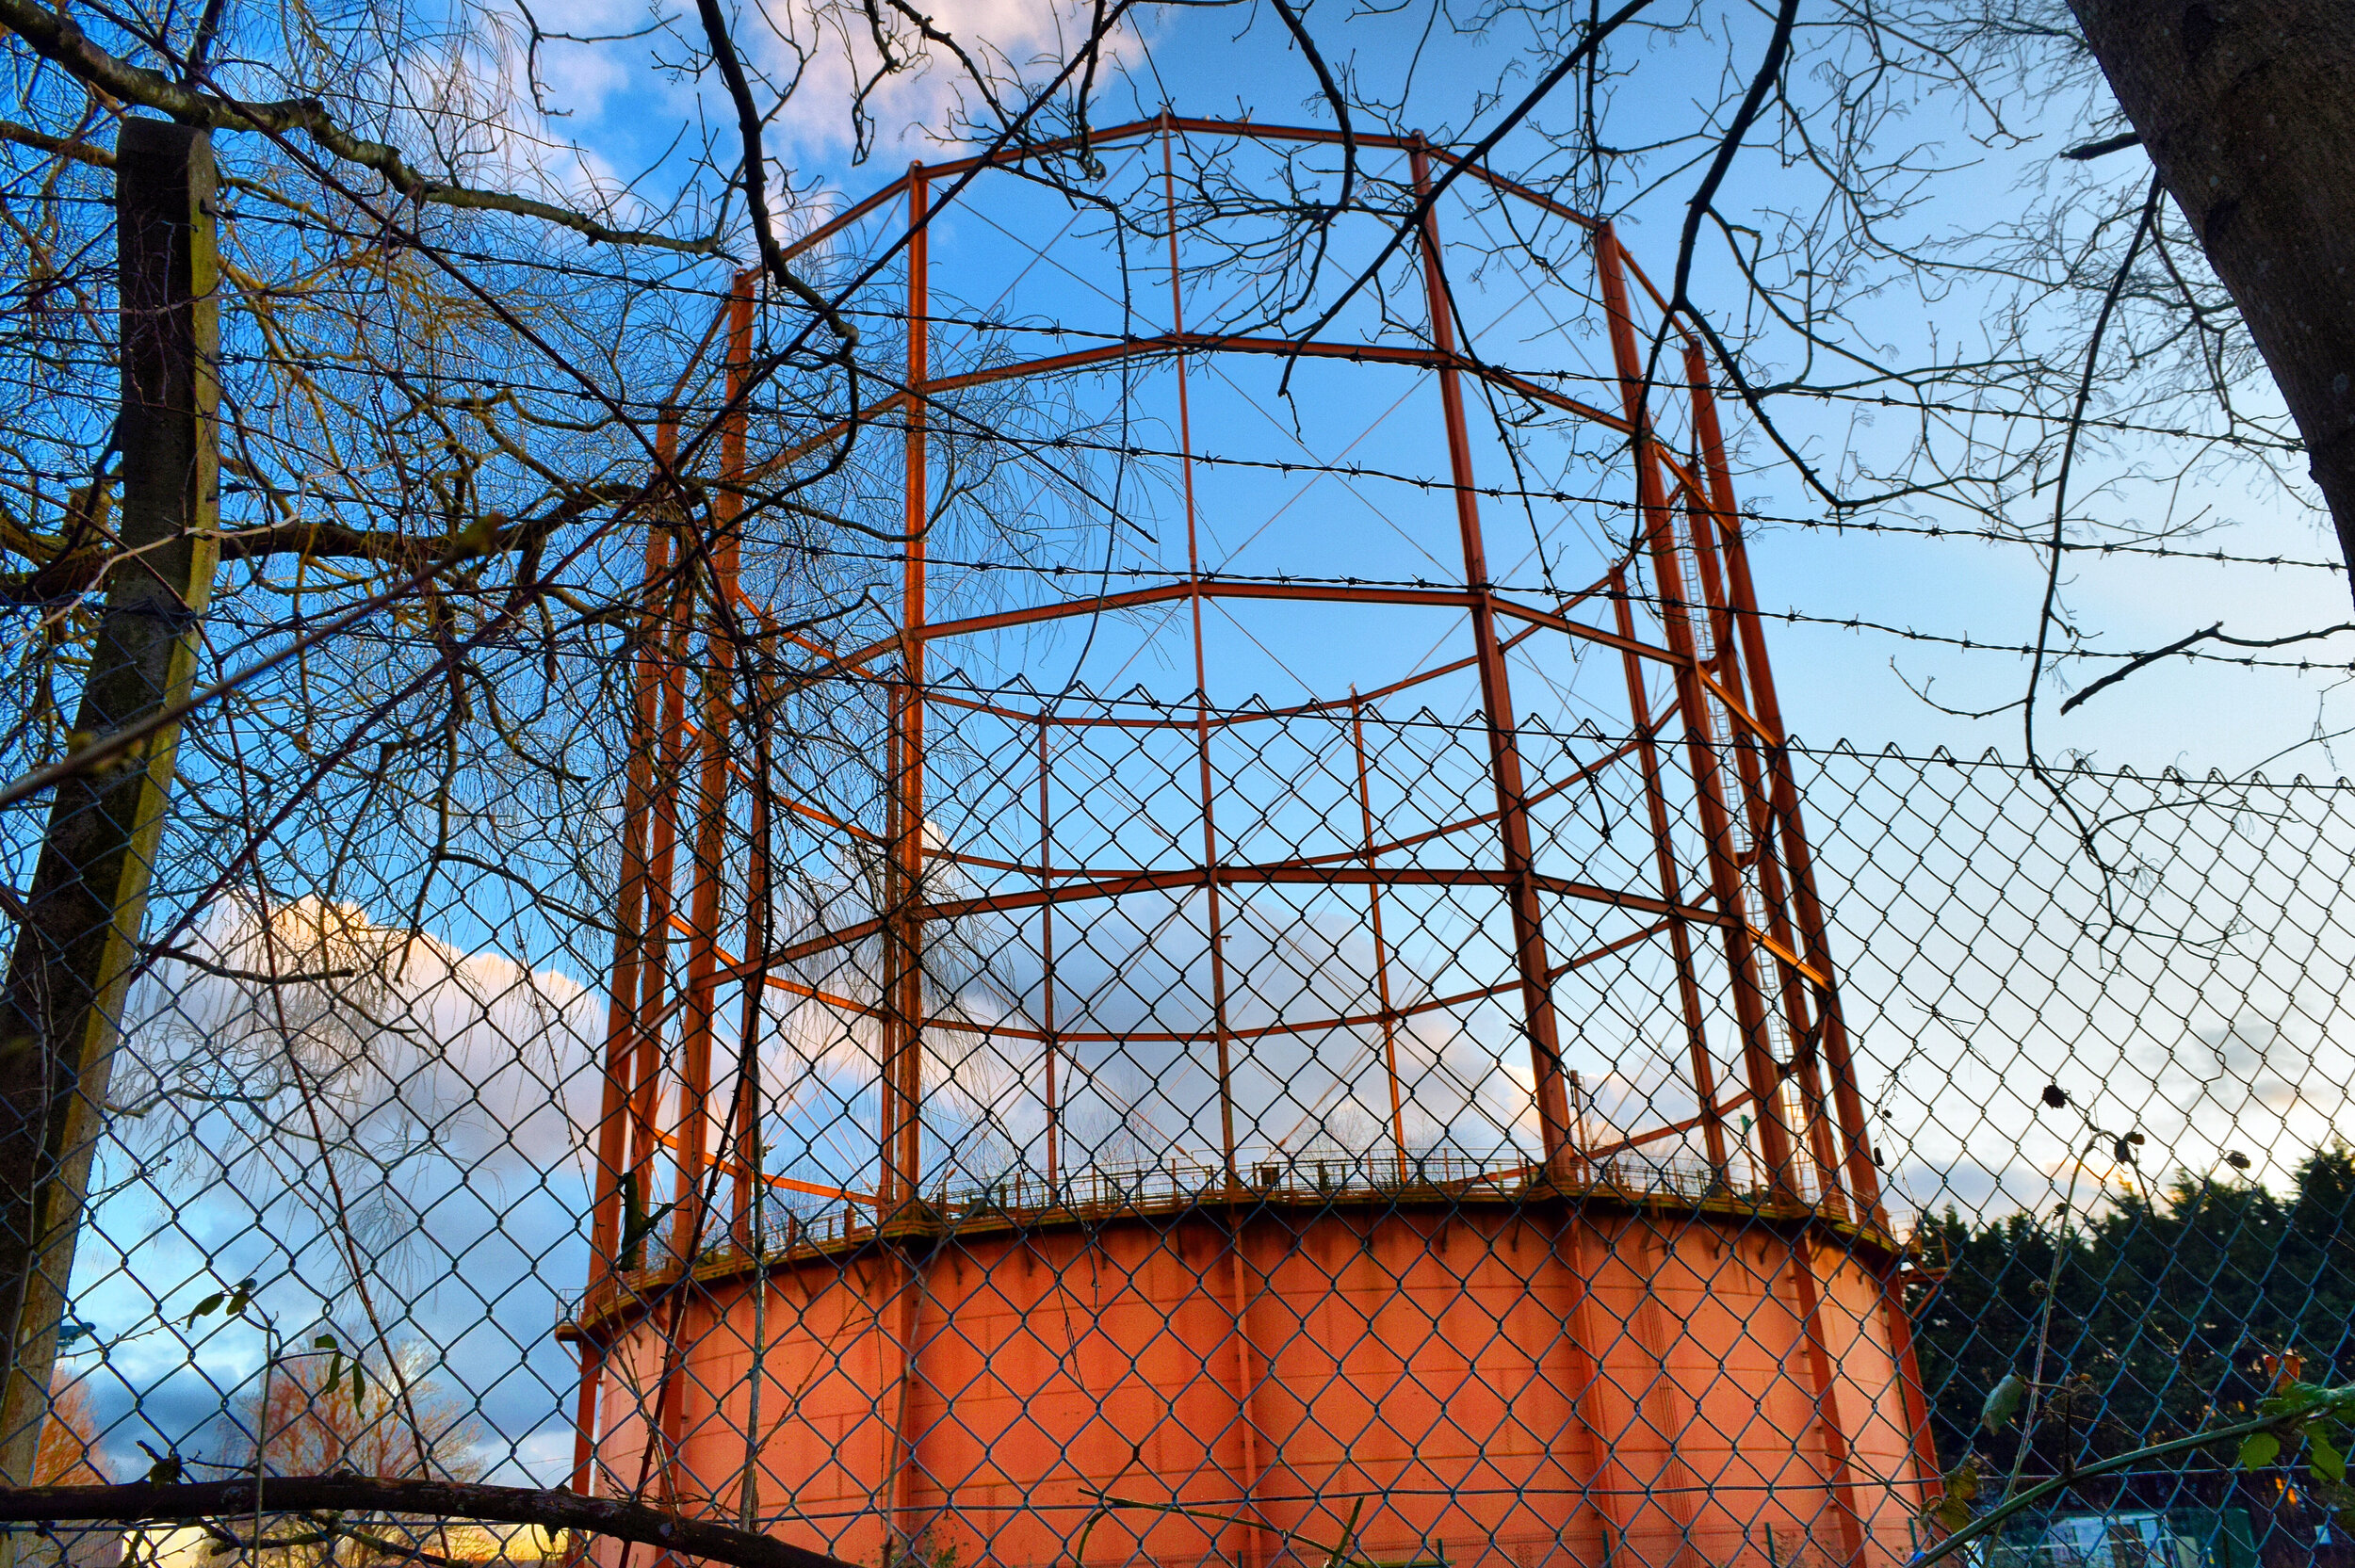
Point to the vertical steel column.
(654, 992)
(1671, 890)
(690, 1223)
(746, 1113)
(1823, 1372)
(903, 935)
(900, 1463)
(621, 1025)
(631, 936)
(750, 1100)
(661, 855)
(1046, 959)
(1799, 1016)
(1614, 1494)
(1917, 1405)
(1253, 1550)
(1201, 684)
(903, 1092)
(1750, 1001)
(1847, 1096)
(690, 1220)
(1496, 697)
(1381, 949)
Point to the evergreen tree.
(2165, 1308)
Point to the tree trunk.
(2246, 109)
(77, 938)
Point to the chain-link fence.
(1389, 1329)
(760, 1047)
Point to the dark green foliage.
(2167, 1305)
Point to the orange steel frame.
(1759, 900)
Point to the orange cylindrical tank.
(1459, 1375)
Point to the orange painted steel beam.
(690, 1222)
(1236, 875)
(1239, 129)
(1690, 1008)
(745, 1113)
(1138, 129)
(737, 772)
(1607, 1473)
(1596, 955)
(1496, 698)
(1381, 948)
(621, 1043)
(1749, 1002)
(784, 1184)
(1251, 1523)
(1714, 1116)
(1258, 715)
(1202, 746)
(900, 1087)
(1899, 1324)
(1848, 1099)
(1824, 1374)
(903, 938)
(919, 395)
(844, 219)
(1046, 962)
(687, 372)
(1437, 598)
(662, 846)
(733, 969)
(1244, 1032)
(699, 1007)
(1733, 706)
(1266, 1031)
(1386, 847)
(1443, 598)
(1800, 1003)
(1182, 342)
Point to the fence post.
(77, 935)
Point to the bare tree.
(475, 396)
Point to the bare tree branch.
(2206, 634)
(56, 38)
(438, 1499)
(755, 171)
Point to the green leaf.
(2323, 1457)
(2261, 1449)
(1953, 1512)
(1963, 1481)
(208, 1305)
(358, 1382)
(2002, 1402)
(2294, 1399)
(324, 1342)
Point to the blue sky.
(1861, 684)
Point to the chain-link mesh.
(953, 1078)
